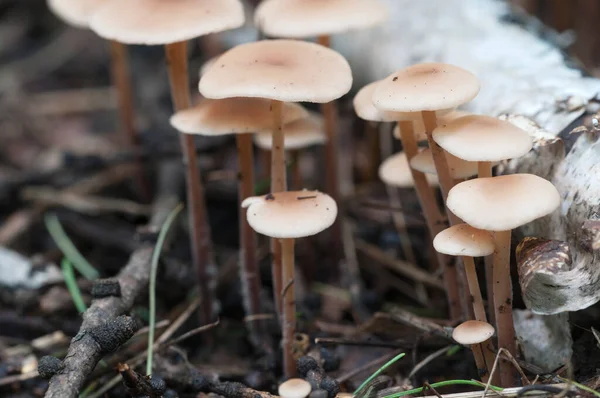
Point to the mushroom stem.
(433, 217)
(439, 158)
(329, 111)
(266, 164)
(442, 170)
(503, 299)
(200, 233)
(278, 184)
(485, 170)
(480, 361)
(289, 307)
(122, 82)
(249, 272)
(371, 130)
(297, 179)
(476, 299)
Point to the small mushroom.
(427, 88)
(468, 242)
(482, 139)
(278, 70)
(396, 171)
(475, 334)
(287, 216)
(500, 204)
(294, 388)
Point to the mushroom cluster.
(482, 212)
(253, 91)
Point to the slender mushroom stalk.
(278, 184)
(485, 171)
(122, 82)
(250, 272)
(242, 117)
(287, 216)
(289, 306)
(500, 204)
(297, 179)
(200, 234)
(433, 217)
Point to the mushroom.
(172, 24)
(279, 70)
(242, 117)
(365, 107)
(474, 334)
(396, 171)
(427, 88)
(302, 19)
(287, 216)
(77, 13)
(500, 204)
(467, 242)
(299, 134)
(294, 388)
(482, 139)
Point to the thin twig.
(428, 359)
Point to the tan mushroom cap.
(299, 19)
(464, 240)
(459, 169)
(426, 87)
(395, 171)
(503, 203)
(482, 138)
(472, 332)
(299, 134)
(207, 64)
(232, 116)
(283, 70)
(295, 388)
(156, 22)
(75, 12)
(293, 214)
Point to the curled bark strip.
(547, 277)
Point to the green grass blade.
(71, 282)
(378, 372)
(441, 384)
(67, 247)
(152, 289)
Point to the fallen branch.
(104, 328)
